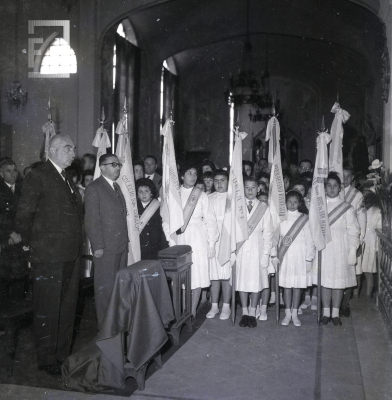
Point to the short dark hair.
(187, 167)
(207, 174)
(221, 172)
(348, 166)
(7, 161)
(334, 175)
(299, 181)
(147, 183)
(250, 179)
(151, 156)
(306, 160)
(263, 175)
(209, 163)
(85, 173)
(104, 157)
(91, 156)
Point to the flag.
(171, 206)
(277, 197)
(235, 226)
(335, 149)
(318, 213)
(49, 130)
(101, 141)
(126, 182)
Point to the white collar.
(109, 181)
(10, 186)
(147, 176)
(145, 204)
(59, 170)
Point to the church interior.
(188, 60)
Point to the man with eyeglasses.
(106, 228)
(305, 166)
(49, 221)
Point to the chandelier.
(16, 96)
(249, 88)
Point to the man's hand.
(98, 253)
(15, 238)
(211, 252)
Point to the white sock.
(335, 312)
(214, 308)
(252, 311)
(314, 300)
(245, 311)
(307, 300)
(263, 310)
(326, 312)
(294, 312)
(272, 298)
(226, 306)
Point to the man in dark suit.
(13, 263)
(150, 167)
(106, 228)
(49, 221)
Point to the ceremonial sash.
(148, 213)
(291, 235)
(254, 220)
(190, 207)
(350, 195)
(337, 212)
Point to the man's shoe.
(244, 321)
(345, 312)
(252, 323)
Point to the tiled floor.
(269, 362)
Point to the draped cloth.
(335, 150)
(318, 215)
(140, 304)
(49, 130)
(277, 197)
(235, 226)
(101, 141)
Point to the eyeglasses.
(114, 164)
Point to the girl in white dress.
(374, 221)
(295, 268)
(201, 234)
(219, 274)
(253, 258)
(340, 254)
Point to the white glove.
(211, 252)
(309, 266)
(172, 243)
(264, 261)
(352, 256)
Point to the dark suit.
(157, 179)
(106, 228)
(13, 263)
(49, 219)
(152, 238)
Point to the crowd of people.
(56, 206)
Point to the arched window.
(59, 58)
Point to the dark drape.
(126, 84)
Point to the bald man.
(49, 221)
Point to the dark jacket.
(49, 216)
(105, 217)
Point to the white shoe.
(212, 314)
(286, 320)
(313, 307)
(304, 306)
(296, 321)
(225, 314)
(263, 317)
(300, 312)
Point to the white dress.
(360, 211)
(201, 232)
(292, 271)
(250, 277)
(218, 271)
(371, 243)
(336, 273)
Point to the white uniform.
(217, 271)
(201, 232)
(292, 271)
(251, 276)
(374, 222)
(336, 273)
(360, 211)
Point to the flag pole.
(233, 306)
(319, 287)
(277, 294)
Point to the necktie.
(12, 188)
(250, 206)
(116, 188)
(149, 177)
(66, 180)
